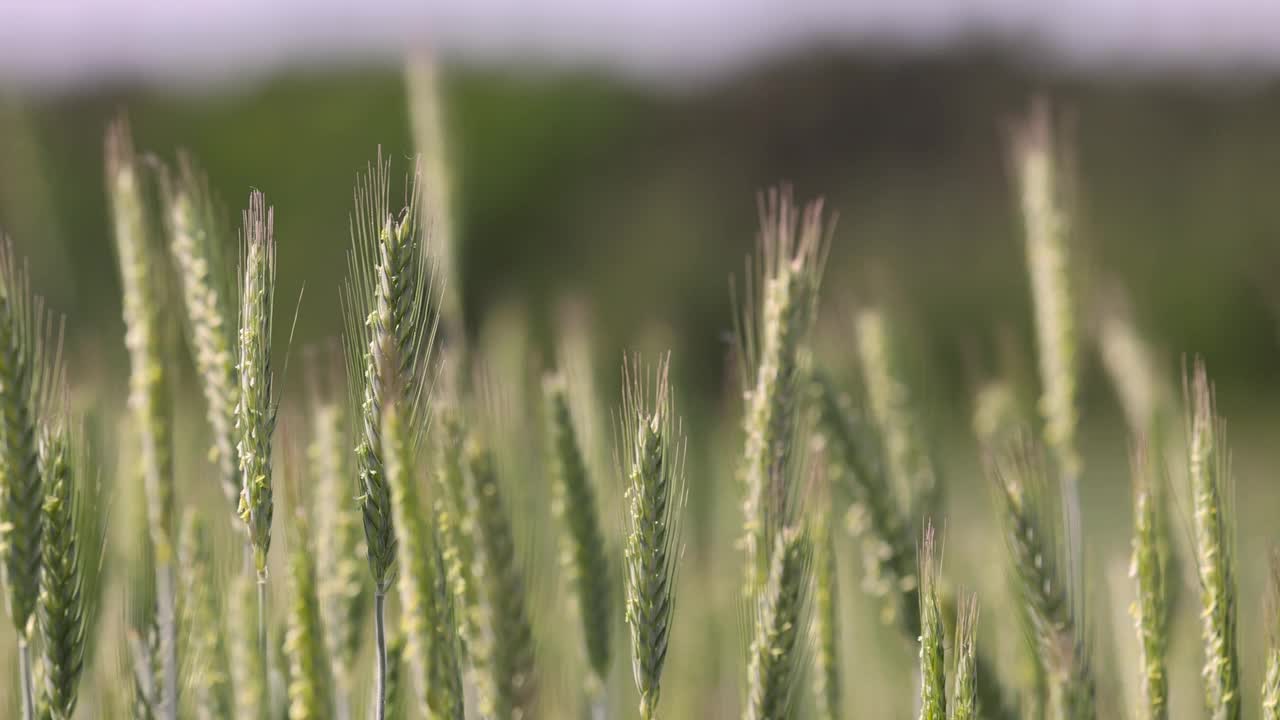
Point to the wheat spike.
(1150, 610)
(200, 622)
(1209, 465)
(583, 545)
(651, 458)
(933, 673)
(64, 615)
(964, 698)
(776, 647)
(197, 243)
(1271, 678)
(793, 245)
(304, 649)
(826, 625)
(148, 385)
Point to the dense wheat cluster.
(435, 522)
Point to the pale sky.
(70, 43)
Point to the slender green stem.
(262, 634)
(380, 641)
(28, 687)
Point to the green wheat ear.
(651, 459)
(1271, 620)
(1150, 611)
(776, 647)
(583, 544)
(65, 581)
(309, 686)
(1039, 164)
(933, 674)
(1049, 588)
(148, 384)
(826, 625)
(964, 699)
(200, 620)
(197, 243)
(390, 331)
(341, 590)
(1209, 465)
(772, 329)
(427, 619)
(504, 649)
(27, 380)
(256, 409)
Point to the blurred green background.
(641, 198)
(638, 201)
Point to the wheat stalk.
(454, 520)
(651, 458)
(389, 338)
(1209, 466)
(340, 589)
(427, 621)
(933, 673)
(583, 545)
(200, 622)
(1048, 590)
(248, 663)
(1150, 611)
(776, 648)
(826, 625)
(304, 648)
(63, 614)
(793, 245)
(197, 238)
(148, 385)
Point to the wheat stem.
(248, 662)
(380, 652)
(1209, 465)
(426, 606)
